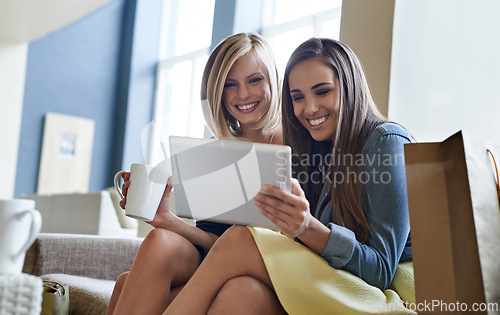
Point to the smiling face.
(315, 94)
(247, 93)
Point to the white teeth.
(243, 107)
(316, 122)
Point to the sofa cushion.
(86, 295)
(81, 255)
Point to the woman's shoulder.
(388, 132)
(390, 128)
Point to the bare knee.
(246, 295)
(243, 285)
(236, 235)
(237, 231)
(116, 292)
(236, 241)
(169, 253)
(156, 247)
(157, 237)
(121, 281)
(161, 242)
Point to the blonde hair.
(222, 58)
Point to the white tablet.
(216, 180)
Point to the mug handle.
(36, 225)
(117, 178)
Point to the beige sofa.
(88, 264)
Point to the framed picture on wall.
(66, 154)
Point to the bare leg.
(174, 292)
(164, 260)
(246, 295)
(116, 292)
(235, 254)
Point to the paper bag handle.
(496, 171)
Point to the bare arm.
(165, 219)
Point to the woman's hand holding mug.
(145, 194)
(126, 182)
(142, 190)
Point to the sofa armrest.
(81, 255)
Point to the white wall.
(12, 75)
(445, 70)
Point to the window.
(184, 50)
(185, 47)
(288, 23)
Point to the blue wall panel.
(73, 71)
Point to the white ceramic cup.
(147, 184)
(20, 224)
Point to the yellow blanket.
(306, 284)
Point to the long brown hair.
(358, 116)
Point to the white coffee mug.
(20, 224)
(147, 184)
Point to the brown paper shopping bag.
(55, 298)
(455, 224)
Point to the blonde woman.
(240, 89)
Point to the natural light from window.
(185, 46)
(288, 23)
